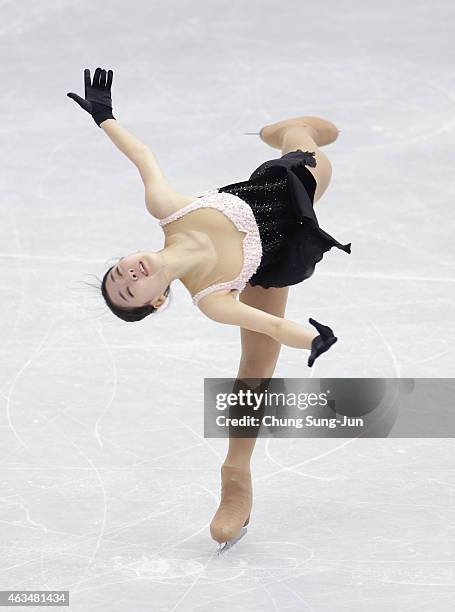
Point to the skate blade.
(225, 546)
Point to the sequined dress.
(274, 207)
(280, 193)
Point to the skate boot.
(233, 514)
(320, 343)
(323, 131)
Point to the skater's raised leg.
(307, 134)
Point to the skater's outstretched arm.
(225, 308)
(136, 151)
(98, 103)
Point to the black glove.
(98, 101)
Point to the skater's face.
(138, 279)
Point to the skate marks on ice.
(157, 567)
(189, 564)
(266, 559)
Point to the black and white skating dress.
(274, 212)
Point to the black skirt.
(280, 193)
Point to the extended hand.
(97, 101)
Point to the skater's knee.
(257, 366)
(259, 359)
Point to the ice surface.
(107, 484)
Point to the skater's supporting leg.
(258, 359)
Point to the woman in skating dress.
(237, 249)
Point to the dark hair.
(128, 314)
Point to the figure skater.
(236, 249)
